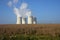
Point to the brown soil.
(37, 29)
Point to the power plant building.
(34, 20)
(23, 20)
(19, 20)
(30, 19)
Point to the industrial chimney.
(34, 20)
(23, 20)
(19, 20)
(30, 19)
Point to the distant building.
(23, 20)
(19, 20)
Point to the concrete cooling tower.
(34, 20)
(19, 20)
(30, 19)
(23, 20)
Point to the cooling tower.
(19, 20)
(34, 20)
(30, 19)
(23, 20)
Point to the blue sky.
(46, 11)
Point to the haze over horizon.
(46, 11)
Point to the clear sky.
(46, 11)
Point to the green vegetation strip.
(28, 37)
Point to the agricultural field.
(29, 31)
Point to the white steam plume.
(28, 13)
(9, 3)
(15, 1)
(21, 11)
(24, 6)
(24, 11)
(16, 11)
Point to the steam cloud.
(16, 11)
(9, 4)
(24, 6)
(15, 1)
(22, 10)
(28, 13)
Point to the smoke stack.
(34, 20)
(30, 19)
(19, 20)
(23, 20)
